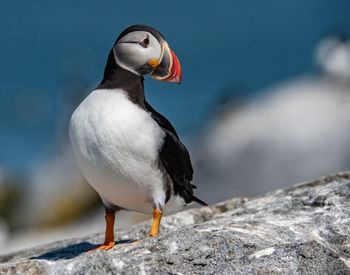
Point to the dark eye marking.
(145, 42)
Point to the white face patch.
(131, 55)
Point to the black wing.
(175, 159)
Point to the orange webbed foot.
(105, 246)
(135, 241)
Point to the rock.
(304, 229)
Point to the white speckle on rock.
(246, 231)
(144, 252)
(288, 222)
(173, 247)
(142, 269)
(264, 252)
(70, 266)
(118, 263)
(314, 234)
(345, 261)
(211, 229)
(178, 219)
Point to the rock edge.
(298, 230)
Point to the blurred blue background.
(47, 47)
(53, 54)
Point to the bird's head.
(143, 50)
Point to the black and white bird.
(128, 152)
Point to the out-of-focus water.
(52, 52)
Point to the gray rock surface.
(304, 229)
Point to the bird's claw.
(105, 246)
(135, 241)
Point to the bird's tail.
(199, 201)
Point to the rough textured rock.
(304, 229)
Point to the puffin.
(129, 153)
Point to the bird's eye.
(145, 42)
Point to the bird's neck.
(116, 77)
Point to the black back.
(176, 159)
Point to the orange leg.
(157, 215)
(109, 236)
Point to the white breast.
(116, 144)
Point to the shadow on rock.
(71, 251)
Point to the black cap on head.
(149, 29)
